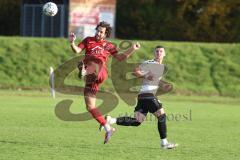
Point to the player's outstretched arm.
(128, 52)
(75, 48)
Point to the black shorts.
(147, 102)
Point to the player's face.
(159, 53)
(100, 33)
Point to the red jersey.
(98, 50)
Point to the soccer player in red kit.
(97, 51)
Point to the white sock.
(164, 141)
(113, 120)
(107, 127)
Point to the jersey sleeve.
(83, 43)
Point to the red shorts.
(94, 81)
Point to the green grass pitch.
(209, 128)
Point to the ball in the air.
(50, 9)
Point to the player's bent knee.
(140, 117)
(159, 112)
(162, 111)
(90, 107)
(162, 118)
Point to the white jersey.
(154, 68)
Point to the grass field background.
(29, 129)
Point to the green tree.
(209, 20)
(185, 20)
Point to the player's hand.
(136, 46)
(167, 87)
(72, 37)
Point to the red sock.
(98, 116)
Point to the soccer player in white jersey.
(151, 71)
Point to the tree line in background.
(177, 20)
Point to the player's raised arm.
(75, 48)
(128, 52)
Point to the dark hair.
(158, 47)
(105, 25)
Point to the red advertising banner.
(86, 14)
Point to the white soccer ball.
(50, 9)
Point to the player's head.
(103, 30)
(159, 52)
